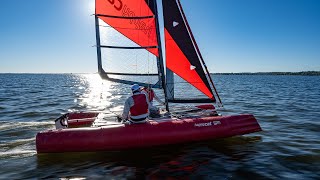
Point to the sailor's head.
(135, 88)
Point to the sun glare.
(91, 5)
(88, 7)
(96, 97)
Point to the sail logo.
(127, 12)
(139, 24)
(212, 123)
(117, 6)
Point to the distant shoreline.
(303, 73)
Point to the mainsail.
(182, 57)
(131, 33)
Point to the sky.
(58, 36)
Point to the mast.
(100, 70)
(160, 57)
(170, 84)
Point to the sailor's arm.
(148, 102)
(126, 109)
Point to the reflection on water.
(97, 95)
(178, 161)
(287, 107)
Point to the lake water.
(287, 108)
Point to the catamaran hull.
(153, 133)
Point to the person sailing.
(153, 110)
(136, 107)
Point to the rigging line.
(130, 74)
(160, 58)
(149, 55)
(154, 63)
(197, 48)
(148, 64)
(148, 58)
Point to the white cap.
(135, 87)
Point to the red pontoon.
(152, 133)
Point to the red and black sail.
(181, 55)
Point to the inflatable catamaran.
(137, 22)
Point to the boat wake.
(18, 148)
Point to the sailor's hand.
(119, 118)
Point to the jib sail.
(182, 58)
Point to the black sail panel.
(151, 4)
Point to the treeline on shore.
(303, 73)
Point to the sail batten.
(206, 100)
(128, 47)
(129, 82)
(124, 17)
